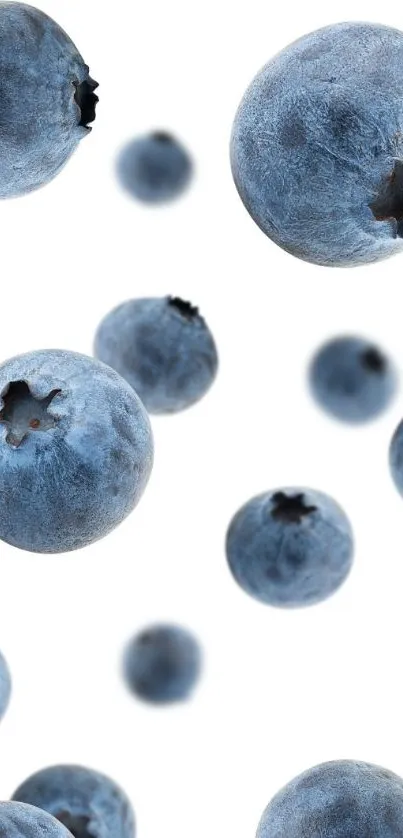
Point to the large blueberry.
(89, 804)
(352, 379)
(46, 98)
(162, 664)
(19, 820)
(154, 168)
(163, 348)
(290, 547)
(75, 450)
(341, 799)
(317, 144)
(5, 686)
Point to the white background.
(281, 690)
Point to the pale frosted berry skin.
(154, 168)
(290, 547)
(162, 664)
(163, 348)
(89, 804)
(46, 99)
(19, 820)
(317, 143)
(76, 450)
(341, 799)
(352, 380)
(5, 686)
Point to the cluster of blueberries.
(316, 150)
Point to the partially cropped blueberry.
(290, 547)
(19, 820)
(162, 664)
(47, 99)
(352, 379)
(341, 799)
(163, 348)
(396, 457)
(317, 145)
(154, 168)
(89, 804)
(75, 450)
(5, 686)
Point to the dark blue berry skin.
(5, 686)
(162, 664)
(343, 799)
(89, 804)
(75, 450)
(46, 99)
(290, 547)
(317, 144)
(18, 820)
(352, 379)
(154, 168)
(163, 348)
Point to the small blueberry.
(162, 664)
(154, 168)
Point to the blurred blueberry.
(47, 98)
(290, 547)
(163, 348)
(75, 450)
(396, 457)
(352, 379)
(18, 820)
(341, 799)
(154, 168)
(5, 686)
(317, 145)
(162, 664)
(89, 804)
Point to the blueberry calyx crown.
(23, 412)
(388, 204)
(86, 100)
(290, 509)
(184, 308)
(78, 825)
(161, 136)
(373, 360)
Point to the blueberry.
(47, 98)
(75, 450)
(18, 820)
(5, 686)
(290, 547)
(163, 348)
(341, 799)
(162, 664)
(352, 379)
(89, 804)
(396, 457)
(154, 168)
(317, 145)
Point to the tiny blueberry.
(162, 664)
(154, 168)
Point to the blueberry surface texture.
(5, 686)
(47, 99)
(19, 820)
(163, 348)
(352, 380)
(290, 547)
(89, 804)
(75, 450)
(162, 664)
(154, 168)
(343, 799)
(317, 145)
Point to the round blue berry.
(89, 804)
(154, 168)
(290, 547)
(5, 686)
(341, 799)
(19, 820)
(352, 379)
(317, 145)
(163, 348)
(75, 450)
(162, 664)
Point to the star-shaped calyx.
(290, 508)
(23, 412)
